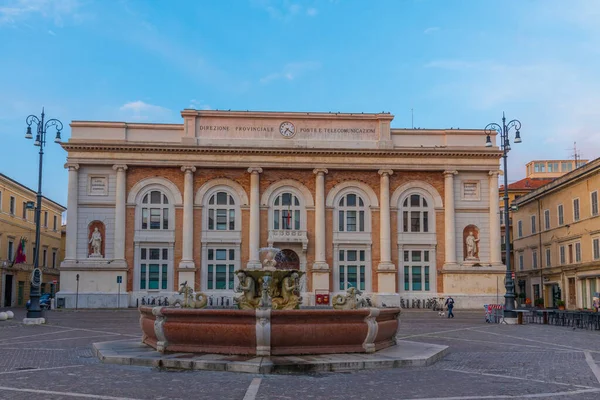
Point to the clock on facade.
(287, 129)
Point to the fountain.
(269, 319)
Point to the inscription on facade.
(471, 190)
(98, 186)
(225, 128)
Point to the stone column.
(120, 216)
(187, 259)
(72, 209)
(495, 246)
(384, 221)
(320, 270)
(254, 236)
(320, 259)
(386, 270)
(449, 219)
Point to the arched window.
(415, 214)
(155, 211)
(286, 212)
(351, 213)
(221, 212)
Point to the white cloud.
(17, 11)
(292, 71)
(198, 105)
(51, 32)
(141, 111)
(431, 30)
(283, 10)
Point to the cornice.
(185, 149)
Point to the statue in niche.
(471, 243)
(96, 242)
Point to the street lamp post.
(509, 297)
(34, 310)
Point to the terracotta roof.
(528, 184)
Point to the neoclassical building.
(397, 213)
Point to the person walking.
(450, 305)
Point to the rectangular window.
(521, 262)
(536, 291)
(11, 250)
(566, 166)
(533, 227)
(570, 249)
(577, 252)
(12, 205)
(45, 219)
(352, 273)
(155, 218)
(44, 258)
(575, 210)
(54, 222)
(53, 258)
(24, 215)
(144, 218)
(594, 201)
(154, 268)
(221, 220)
(351, 221)
(561, 215)
(534, 259)
(563, 259)
(596, 248)
(520, 228)
(547, 219)
(416, 278)
(548, 258)
(417, 269)
(221, 266)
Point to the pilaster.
(320, 258)
(187, 259)
(254, 236)
(72, 207)
(449, 219)
(495, 245)
(120, 217)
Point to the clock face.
(287, 129)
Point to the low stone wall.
(269, 332)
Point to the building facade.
(397, 213)
(557, 242)
(17, 225)
(538, 174)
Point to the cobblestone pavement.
(486, 361)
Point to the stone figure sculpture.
(96, 242)
(471, 243)
(188, 299)
(290, 298)
(247, 300)
(269, 262)
(352, 300)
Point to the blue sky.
(456, 63)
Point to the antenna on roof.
(576, 155)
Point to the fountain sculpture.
(269, 319)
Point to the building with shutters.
(17, 225)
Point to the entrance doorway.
(572, 296)
(8, 294)
(287, 259)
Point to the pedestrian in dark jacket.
(450, 305)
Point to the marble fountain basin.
(265, 332)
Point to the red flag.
(21, 257)
(289, 218)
